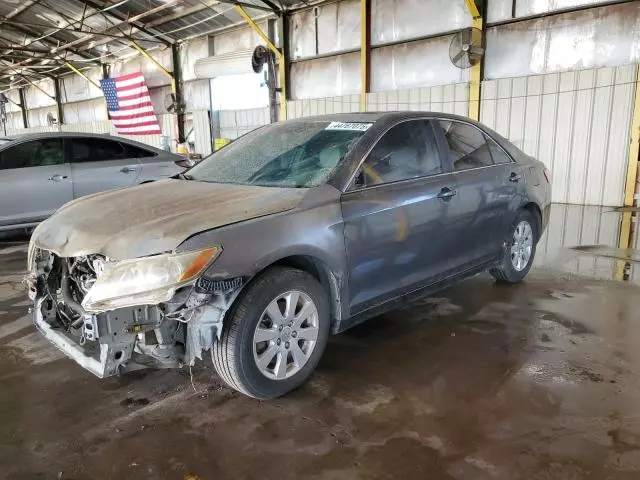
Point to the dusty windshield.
(297, 154)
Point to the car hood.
(155, 217)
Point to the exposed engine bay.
(164, 335)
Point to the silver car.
(41, 172)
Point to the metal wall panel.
(577, 123)
(14, 97)
(594, 38)
(37, 117)
(393, 21)
(85, 112)
(240, 39)
(198, 120)
(74, 88)
(197, 95)
(323, 106)
(326, 77)
(502, 9)
(139, 63)
(418, 64)
(338, 29)
(441, 98)
(36, 98)
(191, 51)
(579, 225)
(235, 123)
(88, 127)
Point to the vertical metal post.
(58, 97)
(285, 23)
(271, 73)
(23, 107)
(177, 91)
(365, 52)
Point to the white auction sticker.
(358, 127)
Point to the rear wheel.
(519, 250)
(275, 335)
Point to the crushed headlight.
(145, 281)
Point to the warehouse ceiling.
(39, 37)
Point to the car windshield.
(297, 154)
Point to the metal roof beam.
(184, 13)
(90, 33)
(128, 21)
(121, 18)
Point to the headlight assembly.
(149, 280)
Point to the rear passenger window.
(135, 152)
(406, 151)
(108, 150)
(96, 150)
(467, 145)
(497, 153)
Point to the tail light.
(547, 175)
(185, 163)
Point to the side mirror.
(359, 181)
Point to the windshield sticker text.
(358, 127)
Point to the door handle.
(128, 169)
(446, 194)
(515, 177)
(57, 178)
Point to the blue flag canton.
(110, 94)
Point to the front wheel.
(275, 334)
(519, 250)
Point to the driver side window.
(408, 150)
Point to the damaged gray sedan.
(292, 232)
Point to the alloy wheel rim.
(286, 335)
(522, 246)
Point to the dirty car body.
(151, 276)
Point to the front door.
(397, 216)
(484, 191)
(99, 164)
(35, 181)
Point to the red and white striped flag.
(129, 105)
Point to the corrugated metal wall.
(577, 123)
(234, 123)
(441, 98)
(323, 106)
(576, 225)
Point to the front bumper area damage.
(167, 335)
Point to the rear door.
(397, 216)
(485, 189)
(35, 180)
(99, 164)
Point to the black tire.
(505, 271)
(233, 356)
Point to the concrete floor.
(536, 381)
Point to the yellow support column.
(475, 72)
(277, 53)
(631, 180)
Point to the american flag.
(129, 105)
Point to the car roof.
(378, 116)
(41, 135)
